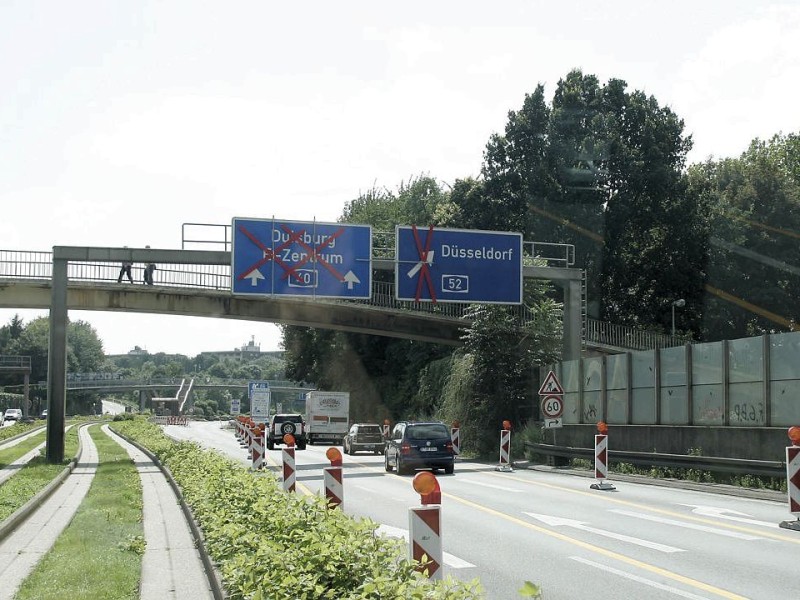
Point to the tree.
(755, 212)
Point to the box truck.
(327, 416)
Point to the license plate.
(428, 449)
(369, 446)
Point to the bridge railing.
(36, 265)
(602, 333)
(15, 363)
(219, 236)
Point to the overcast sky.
(120, 121)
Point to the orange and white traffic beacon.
(601, 458)
(425, 526)
(288, 463)
(793, 478)
(455, 437)
(334, 490)
(505, 449)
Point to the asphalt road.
(638, 541)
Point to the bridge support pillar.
(57, 364)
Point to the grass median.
(9, 455)
(99, 555)
(34, 477)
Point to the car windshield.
(369, 429)
(428, 431)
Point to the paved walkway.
(25, 547)
(171, 566)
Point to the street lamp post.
(680, 303)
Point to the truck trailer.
(327, 416)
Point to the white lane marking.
(451, 561)
(638, 579)
(724, 513)
(706, 528)
(490, 485)
(559, 521)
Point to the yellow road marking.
(602, 551)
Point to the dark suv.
(364, 436)
(280, 425)
(418, 446)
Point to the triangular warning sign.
(551, 386)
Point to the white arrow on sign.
(724, 513)
(561, 522)
(350, 278)
(418, 266)
(254, 276)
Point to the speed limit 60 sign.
(552, 406)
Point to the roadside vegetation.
(34, 477)
(16, 451)
(270, 544)
(99, 554)
(17, 429)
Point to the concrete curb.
(19, 435)
(27, 509)
(213, 574)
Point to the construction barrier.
(425, 527)
(455, 436)
(334, 490)
(257, 449)
(601, 459)
(793, 478)
(505, 448)
(288, 469)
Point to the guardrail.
(762, 468)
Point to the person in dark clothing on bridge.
(125, 270)
(148, 272)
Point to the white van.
(12, 414)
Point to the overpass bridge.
(198, 283)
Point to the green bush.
(270, 544)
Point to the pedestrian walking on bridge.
(125, 270)
(148, 272)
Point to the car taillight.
(405, 449)
(449, 447)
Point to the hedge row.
(270, 544)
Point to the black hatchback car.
(415, 445)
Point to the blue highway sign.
(458, 265)
(293, 258)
